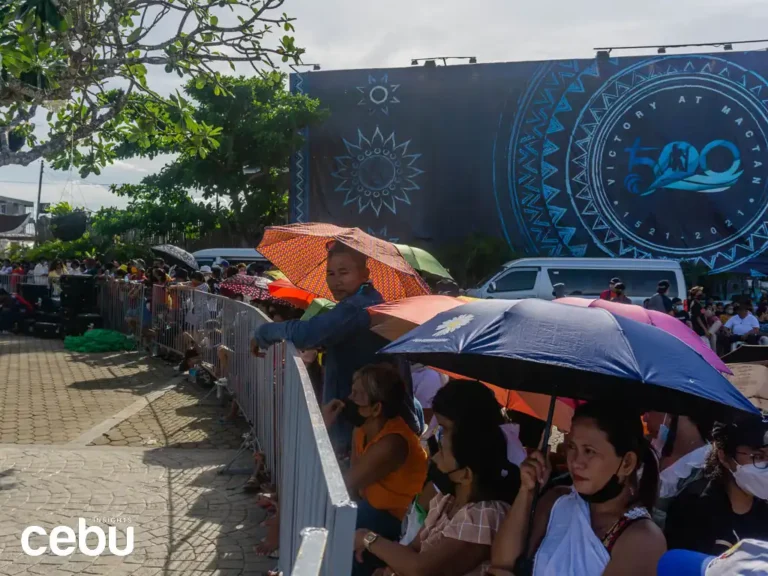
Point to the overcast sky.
(342, 34)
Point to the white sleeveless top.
(570, 546)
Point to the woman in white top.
(601, 525)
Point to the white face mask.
(752, 480)
(661, 436)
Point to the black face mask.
(351, 413)
(608, 492)
(440, 479)
(433, 445)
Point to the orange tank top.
(395, 492)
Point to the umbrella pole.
(545, 450)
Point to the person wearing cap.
(608, 294)
(660, 302)
(747, 558)
(732, 505)
(619, 294)
(207, 273)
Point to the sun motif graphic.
(454, 324)
(378, 94)
(377, 172)
(383, 235)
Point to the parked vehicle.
(586, 277)
(212, 256)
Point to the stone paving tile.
(51, 396)
(180, 418)
(186, 518)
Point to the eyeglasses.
(759, 459)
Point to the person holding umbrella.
(600, 526)
(344, 332)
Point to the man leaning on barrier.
(344, 332)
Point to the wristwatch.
(369, 539)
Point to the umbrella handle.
(544, 445)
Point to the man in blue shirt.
(343, 332)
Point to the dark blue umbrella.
(582, 353)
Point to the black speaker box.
(46, 330)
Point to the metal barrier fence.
(312, 491)
(310, 556)
(276, 396)
(11, 283)
(123, 308)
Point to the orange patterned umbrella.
(300, 252)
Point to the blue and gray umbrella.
(581, 353)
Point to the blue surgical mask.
(193, 372)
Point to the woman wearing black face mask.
(458, 401)
(388, 466)
(600, 526)
(463, 521)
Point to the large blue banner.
(642, 157)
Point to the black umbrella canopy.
(174, 255)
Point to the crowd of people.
(446, 479)
(451, 495)
(722, 326)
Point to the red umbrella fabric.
(300, 252)
(661, 321)
(284, 290)
(251, 287)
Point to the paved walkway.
(186, 517)
(185, 417)
(49, 396)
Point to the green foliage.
(476, 258)
(153, 212)
(60, 209)
(87, 61)
(88, 246)
(258, 127)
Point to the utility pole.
(37, 208)
(39, 190)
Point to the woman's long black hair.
(461, 400)
(624, 429)
(482, 447)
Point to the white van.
(234, 256)
(584, 277)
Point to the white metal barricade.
(123, 307)
(275, 395)
(12, 283)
